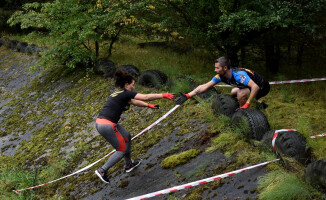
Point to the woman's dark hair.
(224, 61)
(121, 78)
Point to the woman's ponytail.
(121, 78)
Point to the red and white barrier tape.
(317, 136)
(276, 134)
(297, 81)
(284, 82)
(199, 182)
(89, 166)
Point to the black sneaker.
(263, 105)
(101, 174)
(132, 166)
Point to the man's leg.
(234, 92)
(242, 95)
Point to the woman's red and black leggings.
(118, 137)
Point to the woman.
(107, 121)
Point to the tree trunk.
(242, 56)
(300, 54)
(113, 40)
(232, 54)
(97, 48)
(272, 54)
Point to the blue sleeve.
(216, 79)
(242, 77)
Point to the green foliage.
(181, 85)
(15, 178)
(228, 26)
(175, 160)
(75, 27)
(281, 185)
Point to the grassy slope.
(300, 106)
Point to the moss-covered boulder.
(179, 159)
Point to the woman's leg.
(127, 138)
(115, 138)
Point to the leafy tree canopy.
(228, 25)
(223, 26)
(75, 26)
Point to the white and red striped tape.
(199, 182)
(89, 166)
(284, 82)
(317, 136)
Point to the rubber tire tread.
(31, 49)
(208, 93)
(107, 67)
(21, 47)
(129, 69)
(293, 144)
(224, 104)
(315, 173)
(2, 42)
(258, 123)
(13, 44)
(152, 78)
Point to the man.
(246, 83)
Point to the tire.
(31, 49)
(152, 78)
(129, 69)
(266, 141)
(21, 47)
(224, 104)
(253, 122)
(293, 144)
(106, 67)
(13, 44)
(2, 42)
(208, 93)
(315, 173)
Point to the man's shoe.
(262, 105)
(101, 174)
(132, 166)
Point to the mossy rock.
(179, 159)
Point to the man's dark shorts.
(263, 90)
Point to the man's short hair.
(224, 61)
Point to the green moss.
(199, 170)
(123, 183)
(175, 160)
(280, 185)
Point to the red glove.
(153, 106)
(246, 105)
(168, 95)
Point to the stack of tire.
(22, 47)
(287, 143)
(148, 78)
(252, 122)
